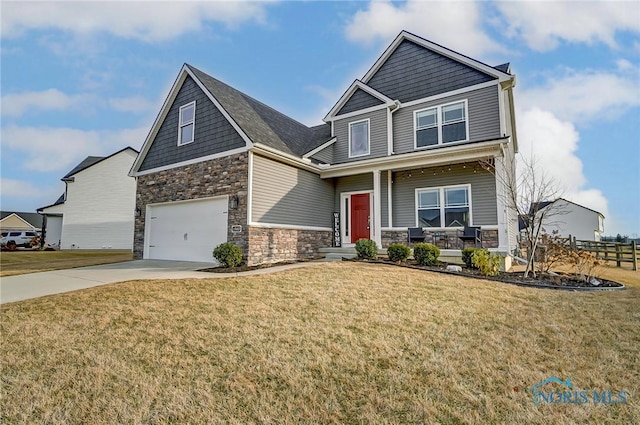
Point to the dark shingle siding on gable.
(359, 100)
(414, 72)
(213, 133)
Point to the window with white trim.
(441, 124)
(186, 129)
(443, 206)
(359, 138)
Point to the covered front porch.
(441, 200)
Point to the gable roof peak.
(438, 48)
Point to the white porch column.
(501, 201)
(377, 209)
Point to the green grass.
(336, 343)
(22, 262)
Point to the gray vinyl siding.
(286, 195)
(483, 116)
(326, 154)
(213, 133)
(357, 183)
(377, 136)
(384, 200)
(414, 72)
(483, 192)
(360, 99)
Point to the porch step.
(338, 257)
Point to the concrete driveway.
(34, 285)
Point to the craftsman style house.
(404, 147)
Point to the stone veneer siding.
(216, 177)
(489, 239)
(271, 245)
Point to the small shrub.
(228, 254)
(489, 264)
(398, 252)
(585, 264)
(467, 257)
(366, 248)
(426, 254)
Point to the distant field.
(345, 343)
(22, 262)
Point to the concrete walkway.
(35, 285)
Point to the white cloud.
(149, 21)
(16, 104)
(137, 104)
(583, 96)
(59, 149)
(457, 25)
(21, 189)
(553, 143)
(543, 25)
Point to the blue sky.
(88, 78)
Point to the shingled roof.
(86, 163)
(260, 122)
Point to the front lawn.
(22, 262)
(337, 343)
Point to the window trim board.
(191, 122)
(441, 194)
(368, 121)
(440, 124)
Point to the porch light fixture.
(138, 212)
(234, 202)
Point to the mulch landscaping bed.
(561, 281)
(245, 268)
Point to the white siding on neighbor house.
(99, 210)
(573, 220)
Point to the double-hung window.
(443, 206)
(359, 138)
(441, 124)
(186, 129)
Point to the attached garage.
(186, 230)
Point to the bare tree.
(530, 193)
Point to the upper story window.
(441, 124)
(443, 206)
(186, 129)
(359, 138)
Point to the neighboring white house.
(571, 219)
(97, 209)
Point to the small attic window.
(187, 126)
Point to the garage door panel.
(187, 230)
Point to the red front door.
(360, 217)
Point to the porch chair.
(415, 234)
(471, 234)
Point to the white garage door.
(187, 231)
